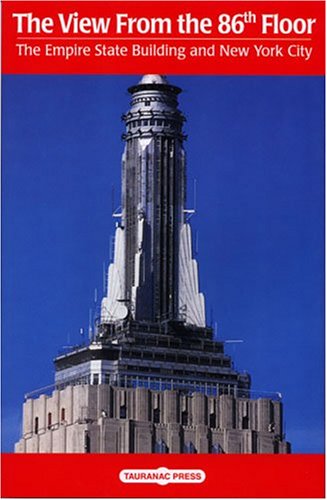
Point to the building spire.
(154, 272)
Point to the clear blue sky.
(256, 147)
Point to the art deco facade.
(153, 379)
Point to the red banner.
(175, 37)
(229, 476)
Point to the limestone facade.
(106, 419)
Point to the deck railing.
(159, 384)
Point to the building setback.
(153, 379)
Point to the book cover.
(163, 249)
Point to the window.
(184, 417)
(245, 422)
(49, 420)
(147, 103)
(87, 442)
(96, 379)
(216, 448)
(212, 420)
(160, 447)
(189, 447)
(62, 414)
(107, 378)
(36, 425)
(156, 416)
(122, 412)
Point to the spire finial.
(157, 79)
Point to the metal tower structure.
(154, 274)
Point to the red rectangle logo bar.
(229, 476)
(175, 37)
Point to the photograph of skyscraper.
(211, 283)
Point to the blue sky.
(255, 146)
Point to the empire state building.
(152, 378)
(154, 273)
